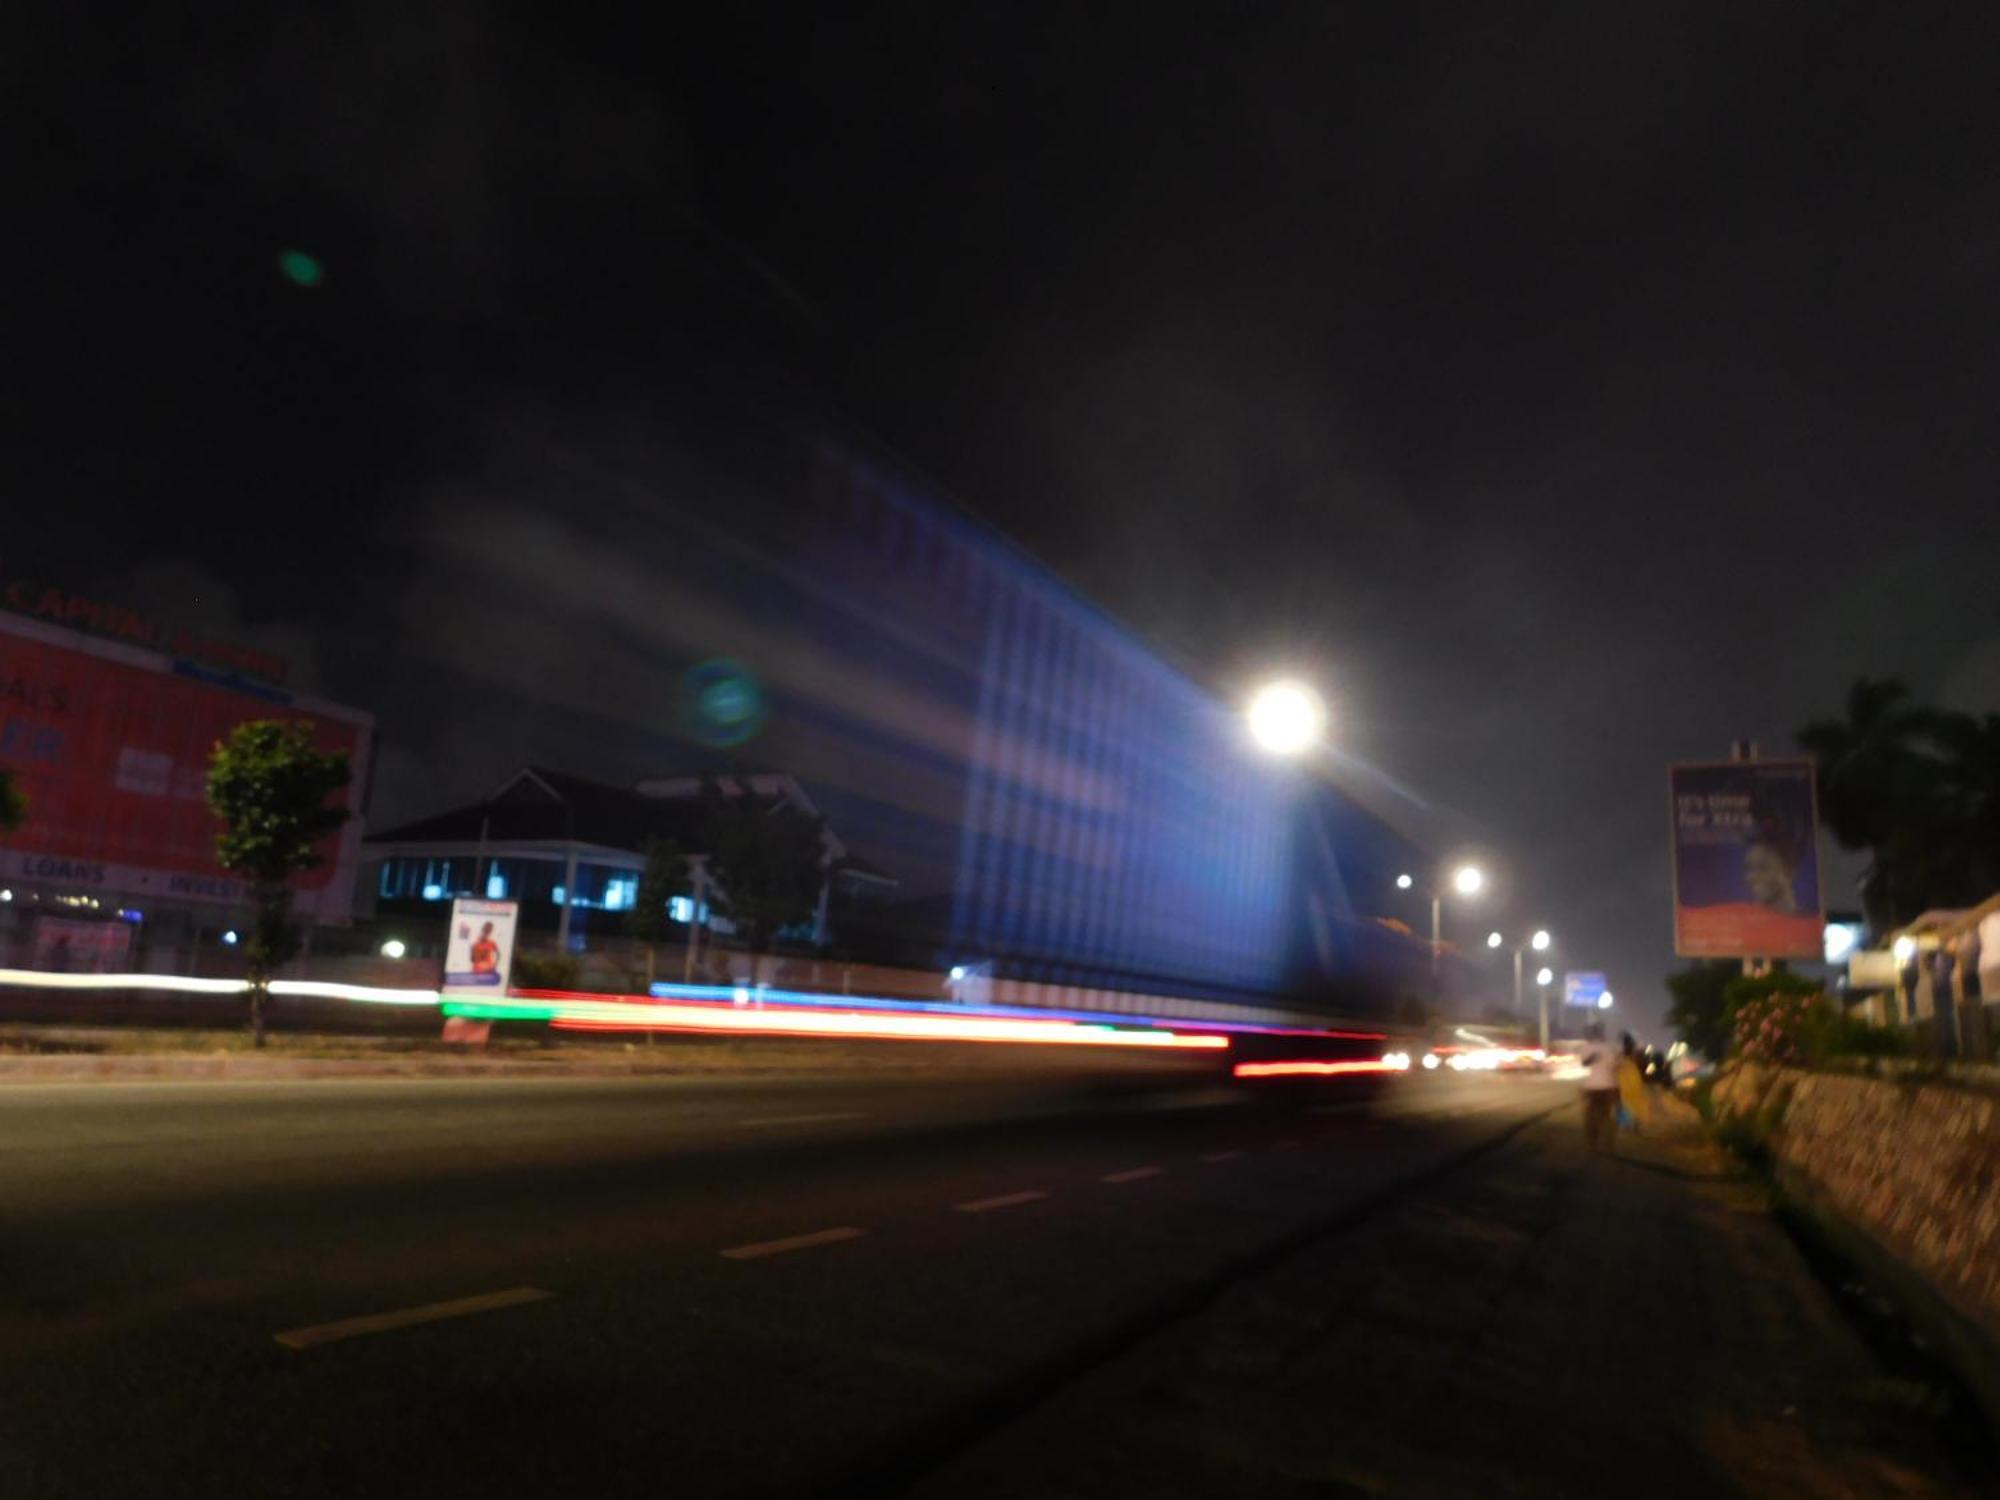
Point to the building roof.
(544, 805)
(539, 804)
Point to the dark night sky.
(1569, 389)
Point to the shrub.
(546, 971)
(1777, 1029)
(1850, 1036)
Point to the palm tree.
(1969, 748)
(1879, 790)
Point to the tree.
(270, 788)
(665, 872)
(1883, 788)
(13, 806)
(1700, 1011)
(1969, 749)
(768, 860)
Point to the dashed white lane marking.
(797, 1242)
(1005, 1200)
(1133, 1174)
(1220, 1155)
(430, 1312)
(763, 1120)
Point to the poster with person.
(480, 948)
(1746, 860)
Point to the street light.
(1545, 977)
(1286, 717)
(1539, 940)
(1604, 1000)
(1466, 880)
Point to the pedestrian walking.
(1600, 1087)
(1634, 1108)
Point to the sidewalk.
(1538, 1323)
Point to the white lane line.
(1220, 1155)
(430, 1312)
(1005, 1200)
(797, 1242)
(1133, 1174)
(763, 1120)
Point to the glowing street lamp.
(1286, 717)
(1545, 977)
(1466, 880)
(1540, 941)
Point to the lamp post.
(1538, 940)
(1544, 977)
(1466, 880)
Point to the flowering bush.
(1781, 1028)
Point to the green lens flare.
(300, 268)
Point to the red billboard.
(110, 745)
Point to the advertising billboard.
(479, 950)
(1746, 860)
(110, 745)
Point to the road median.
(111, 1055)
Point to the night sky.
(1569, 390)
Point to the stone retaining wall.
(1912, 1159)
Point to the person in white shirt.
(1600, 1088)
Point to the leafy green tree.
(1700, 1010)
(665, 873)
(768, 860)
(13, 805)
(272, 790)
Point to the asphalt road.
(632, 1287)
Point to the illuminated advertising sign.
(1585, 988)
(1746, 860)
(110, 746)
(479, 951)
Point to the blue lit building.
(1058, 802)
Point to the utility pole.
(1437, 934)
(1746, 750)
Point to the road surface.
(536, 1287)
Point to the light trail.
(718, 1016)
(1302, 1068)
